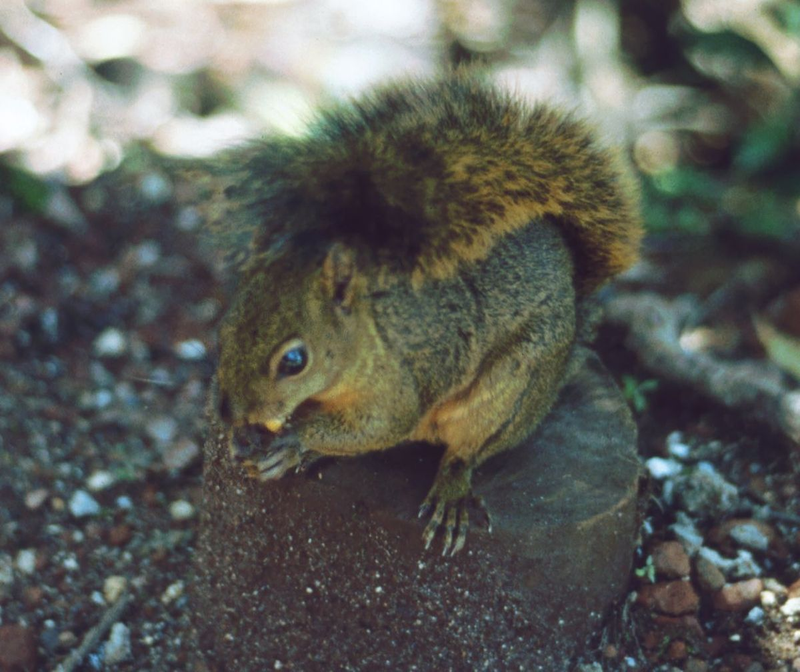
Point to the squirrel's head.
(289, 338)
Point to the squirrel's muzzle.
(249, 440)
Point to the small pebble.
(124, 502)
(741, 567)
(677, 650)
(113, 587)
(35, 498)
(180, 454)
(191, 350)
(705, 492)
(49, 637)
(740, 596)
(99, 399)
(660, 468)
(162, 429)
(771, 583)
(118, 645)
(32, 596)
(110, 343)
(48, 321)
(791, 607)
(67, 639)
(155, 188)
(676, 447)
(62, 209)
(687, 533)
(768, 599)
(670, 560)
(70, 563)
(100, 480)
(26, 561)
(82, 504)
(188, 219)
(749, 535)
(119, 535)
(695, 665)
(709, 576)
(104, 282)
(147, 253)
(97, 598)
(673, 598)
(172, 593)
(755, 616)
(181, 510)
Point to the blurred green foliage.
(749, 180)
(635, 392)
(25, 190)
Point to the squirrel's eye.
(293, 361)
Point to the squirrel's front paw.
(448, 504)
(266, 456)
(285, 453)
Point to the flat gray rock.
(327, 571)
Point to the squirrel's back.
(430, 175)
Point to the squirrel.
(414, 268)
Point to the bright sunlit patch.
(195, 136)
(596, 29)
(18, 121)
(399, 19)
(114, 36)
(656, 152)
(706, 339)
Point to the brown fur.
(431, 247)
(437, 171)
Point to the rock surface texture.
(326, 570)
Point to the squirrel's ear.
(338, 273)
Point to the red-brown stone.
(677, 650)
(673, 598)
(739, 596)
(17, 649)
(670, 560)
(709, 576)
(119, 535)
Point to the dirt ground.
(108, 308)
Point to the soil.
(108, 309)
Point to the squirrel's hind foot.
(448, 504)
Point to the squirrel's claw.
(278, 457)
(448, 500)
(452, 518)
(448, 504)
(434, 523)
(278, 463)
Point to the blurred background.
(109, 305)
(704, 93)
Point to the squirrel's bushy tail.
(435, 173)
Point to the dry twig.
(95, 635)
(654, 325)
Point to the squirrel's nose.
(247, 440)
